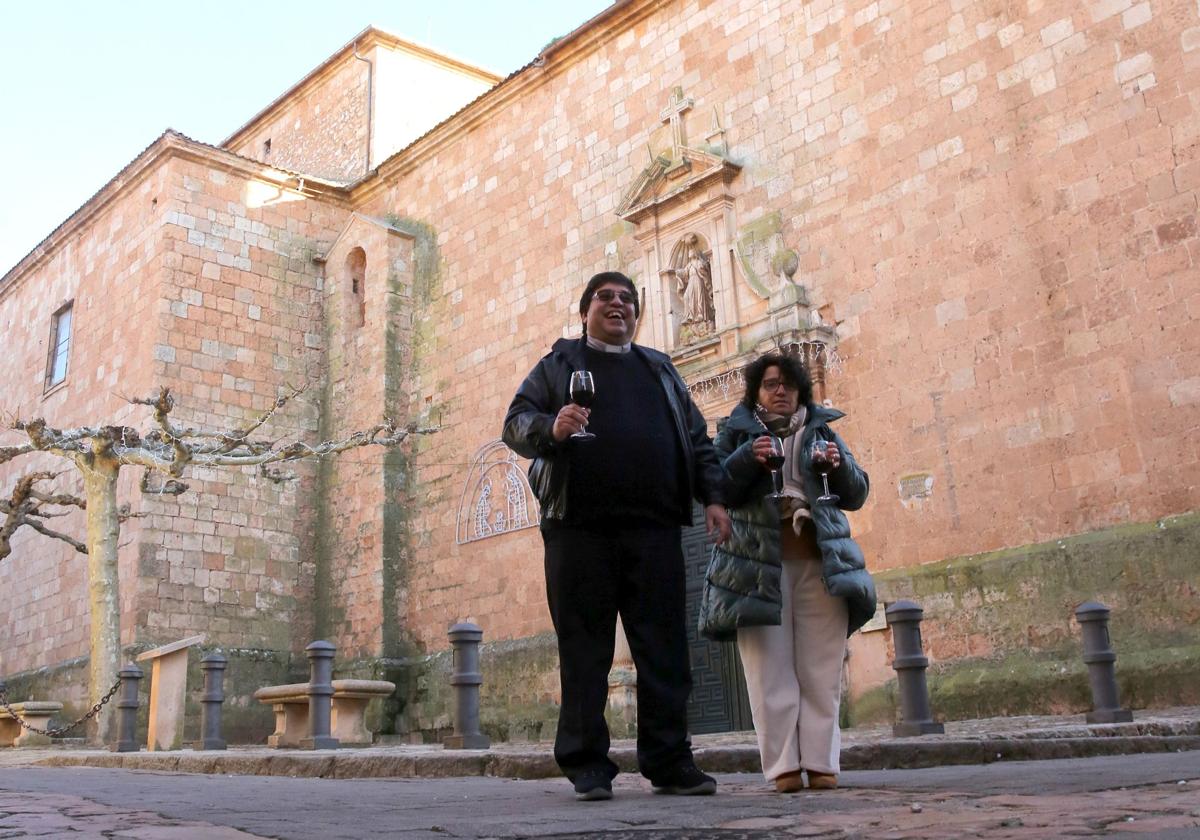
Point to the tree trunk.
(104, 592)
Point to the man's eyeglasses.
(770, 385)
(609, 295)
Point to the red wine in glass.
(821, 461)
(775, 463)
(583, 393)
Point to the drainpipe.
(370, 104)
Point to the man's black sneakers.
(592, 786)
(685, 780)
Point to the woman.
(790, 584)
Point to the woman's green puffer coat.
(742, 585)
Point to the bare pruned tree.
(99, 453)
(29, 505)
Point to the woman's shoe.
(822, 781)
(791, 782)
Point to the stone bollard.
(320, 697)
(213, 667)
(1099, 657)
(466, 679)
(127, 703)
(904, 617)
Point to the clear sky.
(86, 86)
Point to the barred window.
(60, 346)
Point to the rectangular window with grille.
(60, 346)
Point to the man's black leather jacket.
(530, 419)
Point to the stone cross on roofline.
(673, 113)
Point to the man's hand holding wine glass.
(571, 418)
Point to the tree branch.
(298, 450)
(61, 499)
(71, 541)
(7, 453)
(23, 507)
(241, 437)
(169, 487)
(162, 405)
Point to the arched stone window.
(355, 295)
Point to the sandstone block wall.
(994, 204)
(240, 324)
(117, 255)
(320, 130)
(198, 277)
(361, 495)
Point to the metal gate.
(718, 702)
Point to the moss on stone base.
(518, 698)
(1022, 684)
(1018, 605)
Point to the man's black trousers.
(592, 574)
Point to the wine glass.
(775, 463)
(821, 461)
(583, 392)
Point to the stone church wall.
(320, 130)
(360, 495)
(241, 318)
(116, 255)
(201, 278)
(995, 206)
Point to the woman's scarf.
(786, 427)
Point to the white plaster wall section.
(412, 95)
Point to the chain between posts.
(56, 731)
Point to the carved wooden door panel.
(718, 702)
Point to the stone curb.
(539, 764)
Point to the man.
(612, 507)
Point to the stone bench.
(35, 713)
(347, 721)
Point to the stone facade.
(977, 219)
(360, 106)
(195, 272)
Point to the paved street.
(1127, 796)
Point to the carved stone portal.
(682, 210)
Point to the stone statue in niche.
(694, 279)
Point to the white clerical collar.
(597, 344)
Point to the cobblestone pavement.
(57, 815)
(1126, 797)
(864, 748)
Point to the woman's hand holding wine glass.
(826, 457)
(768, 449)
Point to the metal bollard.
(466, 679)
(904, 617)
(128, 705)
(213, 667)
(320, 697)
(1099, 656)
